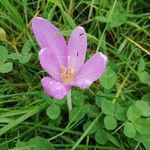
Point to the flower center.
(67, 74)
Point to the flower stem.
(69, 101)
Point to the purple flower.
(64, 62)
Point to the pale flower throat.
(67, 74)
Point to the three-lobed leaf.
(107, 107)
(37, 143)
(6, 67)
(133, 113)
(120, 112)
(101, 136)
(109, 78)
(143, 125)
(91, 110)
(144, 108)
(110, 122)
(87, 124)
(53, 111)
(78, 98)
(129, 129)
(77, 113)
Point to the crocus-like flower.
(64, 62)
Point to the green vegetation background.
(114, 113)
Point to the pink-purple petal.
(91, 71)
(49, 62)
(54, 88)
(48, 36)
(77, 47)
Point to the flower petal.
(77, 46)
(54, 88)
(49, 62)
(48, 36)
(91, 71)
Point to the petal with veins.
(54, 88)
(48, 36)
(77, 47)
(49, 62)
(91, 71)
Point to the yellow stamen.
(67, 74)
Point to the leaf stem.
(69, 101)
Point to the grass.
(119, 29)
